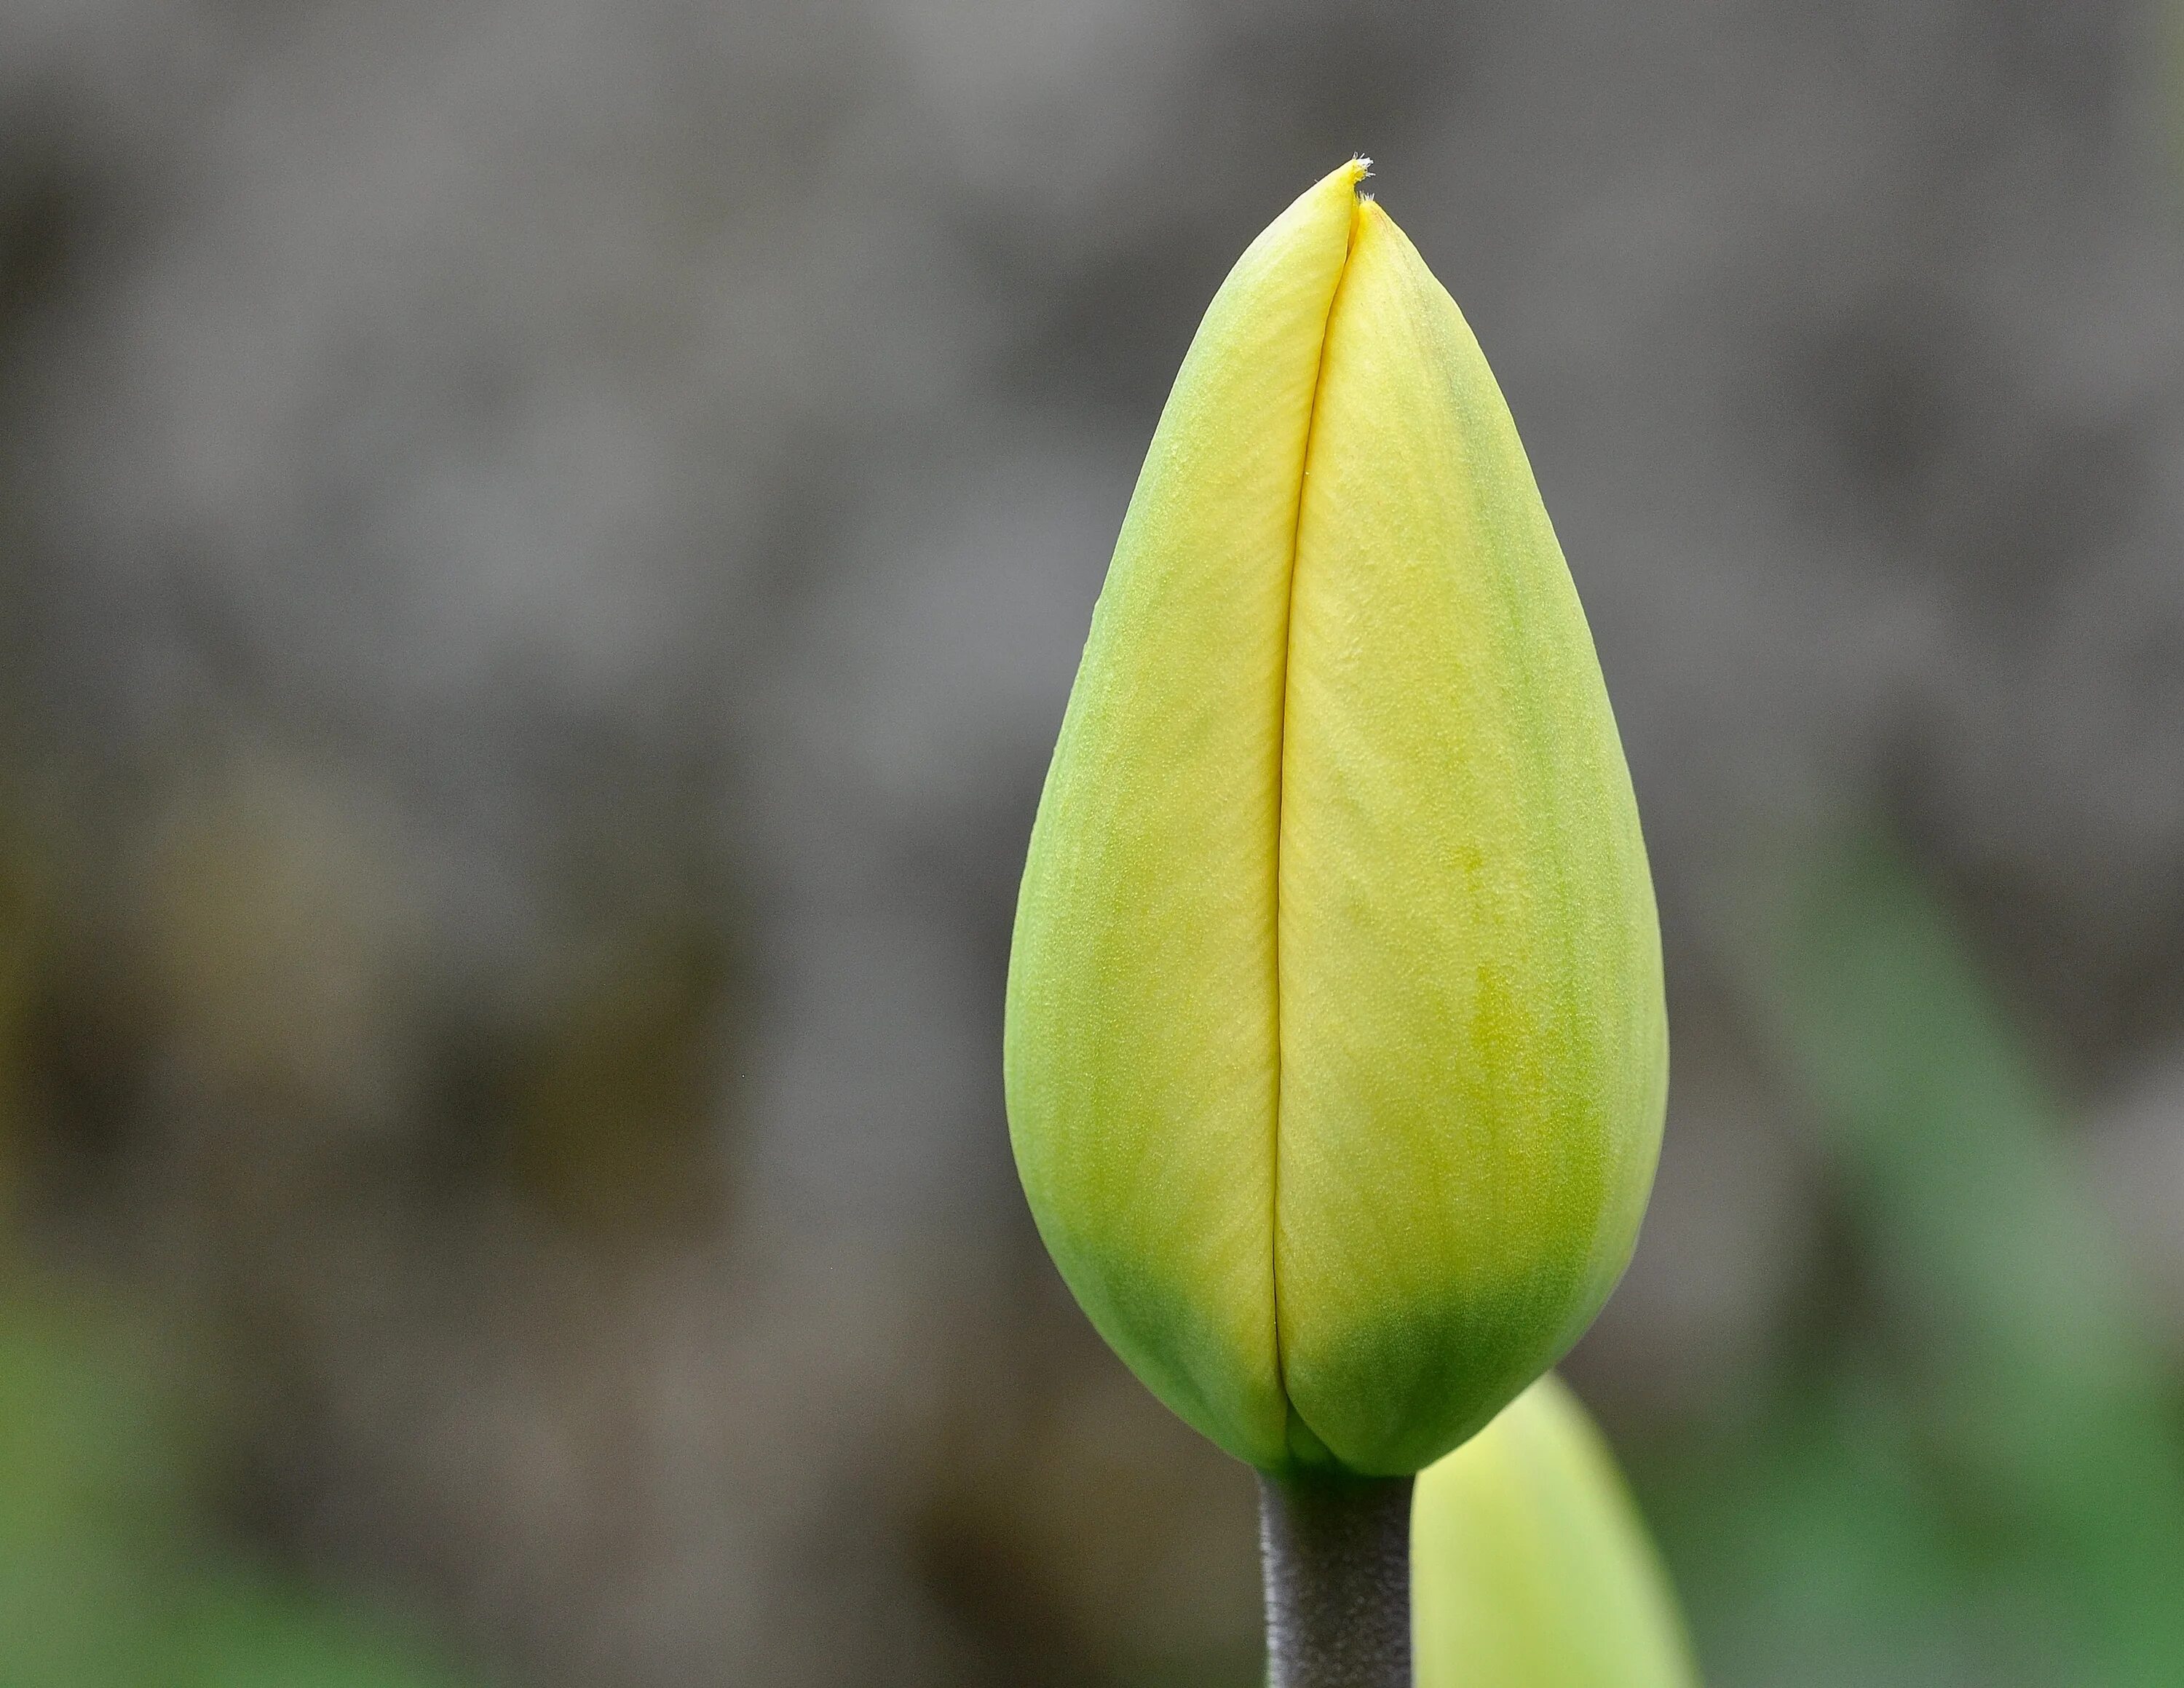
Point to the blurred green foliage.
(108, 1577)
(1970, 1470)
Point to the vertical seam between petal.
(1281, 798)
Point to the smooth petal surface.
(1530, 1567)
(1473, 1049)
(1141, 1047)
(1336, 1055)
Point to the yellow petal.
(1530, 1567)
(1474, 1055)
(1140, 1058)
(1336, 1053)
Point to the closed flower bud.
(1530, 1567)
(1336, 1055)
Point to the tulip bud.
(1335, 1054)
(1530, 1567)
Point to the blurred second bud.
(1530, 1567)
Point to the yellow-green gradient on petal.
(1530, 1567)
(1335, 1056)
(1474, 1052)
(1140, 1052)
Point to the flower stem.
(1337, 1552)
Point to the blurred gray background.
(542, 545)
